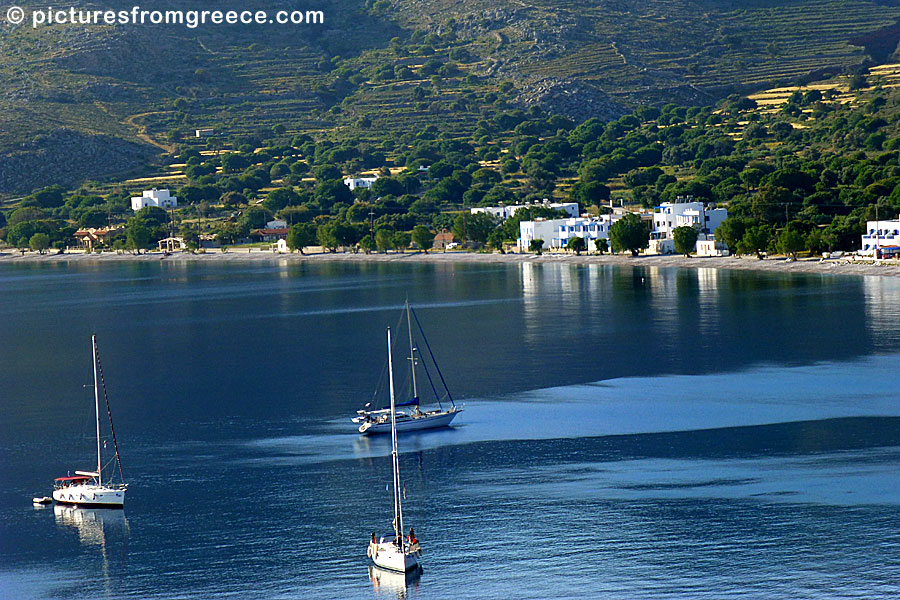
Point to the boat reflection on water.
(93, 525)
(105, 529)
(393, 582)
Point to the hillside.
(84, 102)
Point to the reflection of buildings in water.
(882, 296)
(393, 583)
(708, 285)
(664, 305)
(546, 285)
(92, 524)
(531, 289)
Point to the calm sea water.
(628, 432)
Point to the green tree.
(815, 241)
(602, 245)
(137, 235)
(576, 244)
(327, 237)
(423, 237)
(629, 233)
(301, 235)
(233, 162)
(329, 193)
(26, 213)
(756, 239)
(280, 198)
(731, 231)
(383, 239)
(49, 197)
(255, 217)
(401, 240)
(589, 194)
(227, 233)
(232, 199)
(475, 227)
(152, 216)
(685, 239)
(39, 242)
(495, 240)
(387, 186)
(367, 243)
(93, 217)
(536, 245)
(346, 234)
(328, 173)
(790, 241)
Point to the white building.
(883, 236)
(277, 224)
(505, 212)
(670, 215)
(201, 133)
(359, 182)
(710, 248)
(154, 197)
(556, 233)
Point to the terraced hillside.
(654, 50)
(81, 102)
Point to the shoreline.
(745, 263)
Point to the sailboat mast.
(96, 405)
(398, 514)
(412, 356)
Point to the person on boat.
(412, 537)
(374, 541)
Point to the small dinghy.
(42, 501)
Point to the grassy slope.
(91, 79)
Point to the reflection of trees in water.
(390, 583)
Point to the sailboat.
(87, 488)
(395, 552)
(413, 418)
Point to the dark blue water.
(640, 433)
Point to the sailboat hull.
(426, 421)
(97, 496)
(389, 556)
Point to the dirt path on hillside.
(142, 130)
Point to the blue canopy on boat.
(413, 402)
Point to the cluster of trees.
(788, 179)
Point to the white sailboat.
(87, 488)
(411, 418)
(395, 552)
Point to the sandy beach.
(841, 266)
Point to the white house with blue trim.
(881, 239)
(556, 233)
(668, 216)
